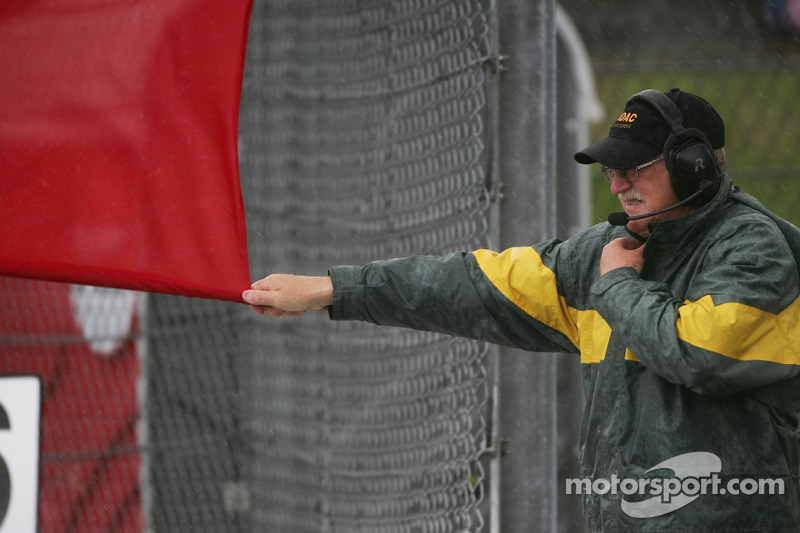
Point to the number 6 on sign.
(20, 409)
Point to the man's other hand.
(623, 252)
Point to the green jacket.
(692, 367)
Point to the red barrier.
(90, 461)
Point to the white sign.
(20, 409)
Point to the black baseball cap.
(639, 133)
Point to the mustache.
(629, 196)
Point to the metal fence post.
(527, 165)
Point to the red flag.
(118, 144)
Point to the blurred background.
(743, 57)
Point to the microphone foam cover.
(618, 219)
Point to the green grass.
(761, 111)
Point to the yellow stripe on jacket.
(516, 270)
(742, 332)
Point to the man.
(684, 310)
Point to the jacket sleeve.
(449, 294)
(740, 329)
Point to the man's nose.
(619, 184)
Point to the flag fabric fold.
(118, 144)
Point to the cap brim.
(617, 153)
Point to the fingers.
(263, 284)
(261, 298)
(261, 303)
(274, 311)
(271, 303)
(627, 243)
(280, 295)
(622, 252)
(291, 292)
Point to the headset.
(688, 154)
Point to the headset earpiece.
(688, 154)
(690, 161)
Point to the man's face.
(651, 192)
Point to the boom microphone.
(619, 218)
(622, 218)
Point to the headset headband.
(665, 107)
(688, 154)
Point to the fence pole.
(528, 484)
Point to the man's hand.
(287, 295)
(623, 252)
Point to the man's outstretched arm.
(288, 295)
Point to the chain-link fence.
(363, 135)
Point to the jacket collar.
(677, 229)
